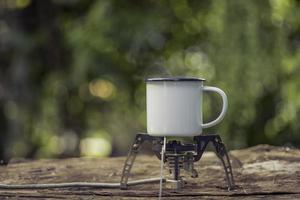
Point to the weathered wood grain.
(261, 172)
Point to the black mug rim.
(173, 79)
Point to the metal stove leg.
(130, 160)
(223, 156)
(138, 141)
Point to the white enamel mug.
(174, 106)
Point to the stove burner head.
(180, 156)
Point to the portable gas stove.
(179, 156)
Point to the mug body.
(174, 106)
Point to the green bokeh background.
(72, 71)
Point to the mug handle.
(224, 108)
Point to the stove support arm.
(222, 154)
(134, 150)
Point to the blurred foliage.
(71, 71)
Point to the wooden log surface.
(261, 172)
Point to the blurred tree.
(71, 76)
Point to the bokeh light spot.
(103, 89)
(280, 9)
(95, 146)
(22, 3)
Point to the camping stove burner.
(179, 156)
